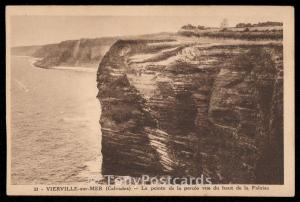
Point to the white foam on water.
(79, 69)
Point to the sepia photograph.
(150, 100)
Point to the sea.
(55, 131)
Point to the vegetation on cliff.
(246, 31)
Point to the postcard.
(150, 100)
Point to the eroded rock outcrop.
(186, 109)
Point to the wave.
(80, 69)
(21, 85)
(74, 119)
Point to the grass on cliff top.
(245, 35)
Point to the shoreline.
(33, 60)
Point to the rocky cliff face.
(186, 109)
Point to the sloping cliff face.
(83, 52)
(187, 109)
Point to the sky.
(31, 28)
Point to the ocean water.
(56, 137)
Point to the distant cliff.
(82, 52)
(186, 109)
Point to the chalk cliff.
(186, 109)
